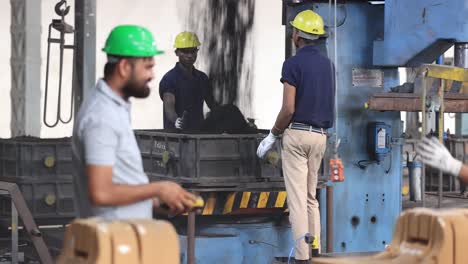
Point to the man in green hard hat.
(109, 164)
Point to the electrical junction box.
(379, 135)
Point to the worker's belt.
(305, 127)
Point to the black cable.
(390, 166)
(362, 166)
(261, 242)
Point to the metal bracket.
(397, 141)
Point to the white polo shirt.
(103, 135)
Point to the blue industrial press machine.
(373, 39)
(368, 41)
(245, 215)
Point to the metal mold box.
(208, 160)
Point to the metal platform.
(453, 100)
(409, 102)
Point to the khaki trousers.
(302, 154)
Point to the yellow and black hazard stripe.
(222, 203)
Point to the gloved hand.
(266, 144)
(434, 153)
(178, 123)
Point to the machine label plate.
(381, 138)
(367, 77)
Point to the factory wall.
(165, 19)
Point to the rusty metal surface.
(28, 221)
(454, 103)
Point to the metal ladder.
(20, 208)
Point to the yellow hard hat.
(186, 40)
(309, 22)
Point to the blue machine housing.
(379, 135)
(367, 204)
(418, 31)
(398, 33)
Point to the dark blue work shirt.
(190, 92)
(313, 76)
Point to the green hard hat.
(131, 41)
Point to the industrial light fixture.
(291, 2)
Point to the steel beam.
(454, 103)
(84, 68)
(446, 72)
(461, 60)
(461, 120)
(25, 68)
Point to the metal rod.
(441, 137)
(14, 233)
(329, 219)
(46, 89)
(423, 134)
(414, 172)
(460, 60)
(59, 100)
(191, 238)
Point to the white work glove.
(266, 144)
(434, 153)
(178, 123)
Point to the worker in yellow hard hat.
(306, 114)
(308, 25)
(184, 89)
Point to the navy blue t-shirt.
(190, 92)
(313, 76)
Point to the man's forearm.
(169, 102)
(121, 194)
(170, 112)
(282, 121)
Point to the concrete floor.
(449, 200)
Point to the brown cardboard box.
(125, 248)
(422, 236)
(94, 241)
(82, 240)
(157, 235)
